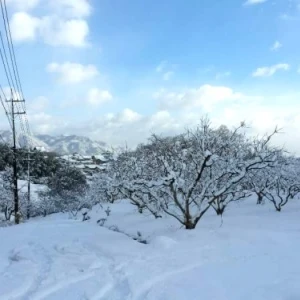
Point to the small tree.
(220, 204)
(259, 181)
(6, 194)
(68, 187)
(47, 204)
(6, 157)
(101, 189)
(285, 183)
(124, 174)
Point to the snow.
(34, 189)
(207, 153)
(91, 166)
(252, 254)
(101, 157)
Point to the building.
(89, 165)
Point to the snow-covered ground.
(253, 255)
(34, 189)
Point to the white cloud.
(269, 71)
(263, 118)
(38, 104)
(65, 8)
(262, 114)
(64, 25)
(204, 97)
(253, 2)
(71, 8)
(60, 32)
(70, 73)
(23, 5)
(128, 126)
(45, 123)
(276, 46)
(98, 97)
(8, 93)
(129, 116)
(167, 76)
(132, 128)
(161, 121)
(24, 27)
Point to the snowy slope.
(252, 256)
(61, 144)
(69, 144)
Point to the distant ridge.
(61, 144)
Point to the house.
(89, 165)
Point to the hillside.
(62, 144)
(251, 256)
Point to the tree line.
(184, 176)
(61, 183)
(181, 176)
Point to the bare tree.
(220, 204)
(183, 176)
(284, 183)
(6, 194)
(259, 181)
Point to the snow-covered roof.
(88, 162)
(100, 156)
(91, 166)
(102, 167)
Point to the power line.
(2, 138)
(12, 53)
(17, 101)
(8, 72)
(16, 70)
(13, 80)
(16, 80)
(5, 63)
(5, 109)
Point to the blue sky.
(120, 70)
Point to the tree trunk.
(188, 222)
(220, 210)
(157, 216)
(259, 198)
(190, 226)
(7, 214)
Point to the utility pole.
(28, 184)
(15, 168)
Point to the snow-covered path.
(62, 260)
(252, 256)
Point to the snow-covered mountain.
(61, 144)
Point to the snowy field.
(253, 255)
